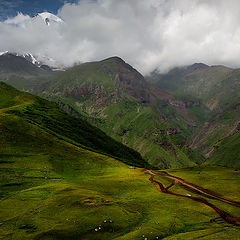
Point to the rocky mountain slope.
(12, 64)
(21, 73)
(218, 137)
(116, 98)
(217, 88)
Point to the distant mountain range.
(23, 72)
(215, 86)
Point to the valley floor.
(115, 202)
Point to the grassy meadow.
(54, 187)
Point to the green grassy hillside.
(52, 188)
(227, 152)
(116, 98)
(51, 119)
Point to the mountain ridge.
(114, 96)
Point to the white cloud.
(147, 34)
(19, 20)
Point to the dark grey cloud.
(148, 34)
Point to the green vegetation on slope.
(219, 127)
(116, 98)
(227, 152)
(62, 192)
(217, 89)
(216, 86)
(76, 131)
(51, 189)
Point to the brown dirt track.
(224, 215)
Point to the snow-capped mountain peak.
(48, 18)
(31, 58)
(3, 53)
(40, 61)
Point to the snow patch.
(48, 18)
(31, 58)
(3, 53)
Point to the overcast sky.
(148, 34)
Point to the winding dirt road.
(198, 189)
(224, 215)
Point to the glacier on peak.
(48, 18)
(3, 53)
